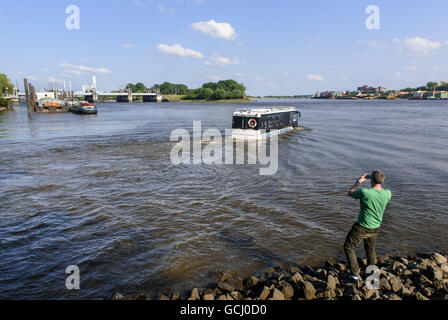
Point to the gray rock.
(428, 292)
(222, 297)
(435, 273)
(208, 296)
(308, 290)
(251, 282)
(236, 295)
(406, 273)
(264, 293)
(293, 270)
(366, 294)
(219, 276)
(393, 296)
(407, 290)
(287, 290)
(328, 294)
(340, 267)
(163, 297)
(229, 297)
(117, 296)
(310, 278)
(296, 277)
(236, 283)
(225, 287)
(331, 282)
(439, 259)
(396, 284)
(322, 273)
(277, 295)
(194, 294)
(175, 295)
(420, 296)
(444, 267)
(208, 291)
(385, 285)
(398, 265)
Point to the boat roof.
(256, 112)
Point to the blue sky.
(274, 47)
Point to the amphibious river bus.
(263, 122)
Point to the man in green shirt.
(373, 202)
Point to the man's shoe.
(356, 278)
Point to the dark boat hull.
(81, 111)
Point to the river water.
(100, 192)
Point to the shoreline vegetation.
(7, 88)
(416, 277)
(223, 90)
(179, 98)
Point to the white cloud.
(238, 74)
(137, 2)
(178, 50)
(200, 1)
(45, 69)
(76, 69)
(53, 79)
(127, 45)
(417, 46)
(259, 78)
(316, 77)
(213, 77)
(32, 78)
(344, 79)
(286, 73)
(217, 60)
(215, 29)
(162, 9)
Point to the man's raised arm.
(356, 185)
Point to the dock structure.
(32, 100)
(89, 93)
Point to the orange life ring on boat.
(252, 123)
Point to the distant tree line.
(429, 87)
(164, 88)
(224, 89)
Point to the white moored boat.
(261, 123)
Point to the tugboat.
(83, 107)
(264, 122)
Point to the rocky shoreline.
(419, 277)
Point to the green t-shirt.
(373, 202)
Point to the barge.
(261, 123)
(83, 107)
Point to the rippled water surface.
(100, 191)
